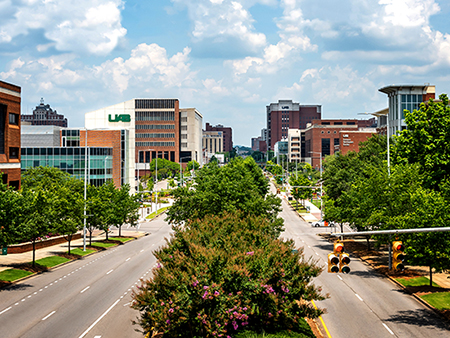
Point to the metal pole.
(85, 182)
(390, 253)
(321, 189)
(388, 153)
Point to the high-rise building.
(43, 115)
(227, 134)
(10, 97)
(286, 114)
(403, 97)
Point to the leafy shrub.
(219, 276)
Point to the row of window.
(155, 135)
(155, 144)
(154, 104)
(155, 116)
(66, 151)
(70, 132)
(155, 126)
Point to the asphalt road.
(362, 303)
(86, 298)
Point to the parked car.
(323, 223)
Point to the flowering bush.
(219, 276)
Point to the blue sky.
(229, 59)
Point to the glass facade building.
(72, 160)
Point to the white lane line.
(35, 293)
(309, 246)
(29, 296)
(387, 328)
(358, 297)
(317, 254)
(87, 287)
(95, 323)
(127, 259)
(5, 310)
(16, 304)
(48, 315)
(127, 304)
(141, 250)
(339, 277)
(109, 272)
(40, 290)
(23, 300)
(98, 337)
(153, 244)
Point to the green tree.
(124, 206)
(297, 182)
(10, 209)
(193, 165)
(427, 141)
(98, 207)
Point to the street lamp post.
(321, 184)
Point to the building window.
(13, 152)
(14, 119)
(325, 146)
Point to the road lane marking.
(109, 271)
(321, 320)
(358, 297)
(317, 254)
(87, 287)
(100, 318)
(127, 259)
(339, 277)
(387, 328)
(48, 315)
(5, 310)
(126, 304)
(98, 337)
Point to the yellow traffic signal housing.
(344, 261)
(338, 248)
(333, 261)
(398, 255)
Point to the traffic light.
(333, 261)
(398, 255)
(338, 248)
(344, 261)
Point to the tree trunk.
(106, 231)
(69, 238)
(34, 252)
(90, 237)
(120, 230)
(431, 276)
(368, 243)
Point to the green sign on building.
(4, 249)
(120, 118)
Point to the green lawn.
(51, 261)
(103, 245)
(153, 214)
(418, 281)
(80, 252)
(440, 300)
(11, 275)
(121, 239)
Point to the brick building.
(43, 115)
(323, 137)
(10, 98)
(286, 115)
(227, 134)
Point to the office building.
(191, 136)
(286, 115)
(10, 99)
(43, 115)
(212, 143)
(401, 97)
(227, 134)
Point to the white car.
(323, 223)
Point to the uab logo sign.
(120, 118)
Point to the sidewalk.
(7, 261)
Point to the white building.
(191, 135)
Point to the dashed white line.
(339, 277)
(109, 272)
(141, 250)
(358, 297)
(51, 313)
(87, 287)
(127, 259)
(29, 296)
(387, 328)
(98, 337)
(317, 254)
(103, 315)
(126, 304)
(5, 310)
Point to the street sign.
(4, 250)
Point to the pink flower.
(250, 253)
(195, 283)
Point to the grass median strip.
(103, 245)
(154, 214)
(121, 239)
(11, 275)
(439, 300)
(417, 281)
(51, 261)
(80, 252)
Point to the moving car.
(323, 223)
